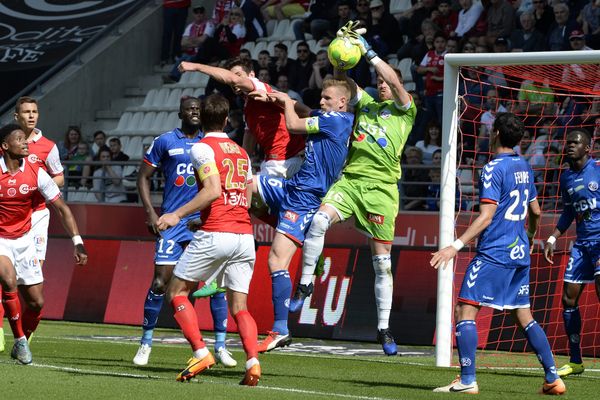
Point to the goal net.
(553, 93)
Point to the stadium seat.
(159, 122)
(89, 197)
(124, 141)
(292, 49)
(405, 66)
(134, 122)
(71, 193)
(198, 79)
(312, 45)
(134, 148)
(148, 100)
(199, 92)
(147, 140)
(273, 30)
(171, 122)
(160, 99)
(410, 86)
(397, 6)
(173, 100)
(288, 34)
(260, 46)
(123, 122)
(248, 46)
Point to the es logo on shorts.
(377, 219)
(290, 216)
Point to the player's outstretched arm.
(443, 256)
(220, 74)
(68, 222)
(390, 77)
(293, 122)
(143, 186)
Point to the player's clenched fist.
(279, 97)
(185, 66)
(167, 220)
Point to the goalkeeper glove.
(348, 29)
(364, 46)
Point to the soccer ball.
(343, 54)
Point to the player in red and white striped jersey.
(222, 249)
(20, 182)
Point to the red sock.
(248, 333)
(186, 317)
(12, 305)
(31, 320)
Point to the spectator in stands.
(468, 47)
(67, 148)
(108, 181)
(433, 189)
(527, 38)
(558, 36)
(467, 176)
(322, 15)
(383, 31)
(535, 98)
(322, 70)
(246, 55)
(501, 45)
(589, 19)
(222, 10)
(363, 12)
(417, 47)
(421, 120)
(414, 177)
(232, 32)
(264, 75)
(283, 9)
(468, 17)
(345, 13)
(492, 106)
(543, 16)
(281, 63)
(78, 174)
(114, 144)
(452, 45)
(174, 18)
(500, 20)
(410, 20)
(193, 39)
(432, 67)
(235, 126)
(284, 86)
(99, 141)
(445, 17)
(431, 142)
(301, 68)
(254, 20)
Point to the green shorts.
(374, 205)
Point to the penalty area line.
(87, 371)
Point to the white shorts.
(227, 258)
(22, 255)
(282, 168)
(39, 228)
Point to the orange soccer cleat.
(196, 366)
(555, 388)
(252, 376)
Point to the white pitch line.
(87, 371)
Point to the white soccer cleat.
(224, 357)
(142, 355)
(457, 387)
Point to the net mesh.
(551, 99)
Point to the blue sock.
(466, 342)
(572, 320)
(152, 307)
(282, 290)
(218, 309)
(539, 343)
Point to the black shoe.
(302, 292)
(384, 336)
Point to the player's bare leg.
(33, 296)
(572, 323)
(248, 333)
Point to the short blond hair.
(343, 85)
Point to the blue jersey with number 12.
(507, 181)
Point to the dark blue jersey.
(171, 153)
(325, 152)
(507, 181)
(581, 199)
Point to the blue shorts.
(171, 243)
(494, 286)
(295, 209)
(584, 262)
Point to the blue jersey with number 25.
(507, 181)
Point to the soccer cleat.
(252, 376)
(302, 292)
(208, 290)
(21, 352)
(384, 336)
(570, 369)
(457, 387)
(142, 355)
(224, 357)
(555, 388)
(274, 340)
(2, 343)
(196, 366)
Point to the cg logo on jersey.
(185, 169)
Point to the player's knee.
(36, 304)
(159, 286)
(319, 225)
(569, 301)
(382, 265)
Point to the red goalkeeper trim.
(488, 201)
(466, 301)
(383, 241)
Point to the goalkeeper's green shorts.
(374, 205)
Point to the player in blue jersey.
(296, 200)
(170, 152)
(498, 275)
(579, 187)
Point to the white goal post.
(452, 63)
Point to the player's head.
(26, 113)
(214, 111)
(383, 89)
(579, 143)
(189, 113)
(241, 67)
(13, 141)
(508, 130)
(335, 95)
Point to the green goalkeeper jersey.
(380, 132)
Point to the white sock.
(384, 289)
(251, 362)
(313, 245)
(201, 353)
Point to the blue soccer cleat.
(302, 292)
(384, 336)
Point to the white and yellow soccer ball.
(343, 54)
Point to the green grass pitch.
(92, 361)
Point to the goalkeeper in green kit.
(368, 188)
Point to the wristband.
(458, 244)
(77, 240)
(551, 240)
(374, 60)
